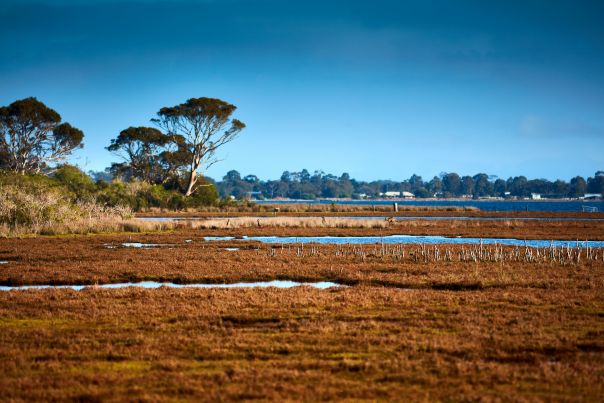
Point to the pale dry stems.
(287, 222)
(48, 212)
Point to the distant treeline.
(162, 166)
(303, 185)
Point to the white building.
(391, 194)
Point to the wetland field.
(386, 321)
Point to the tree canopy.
(32, 137)
(205, 124)
(303, 185)
(148, 154)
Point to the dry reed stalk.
(287, 222)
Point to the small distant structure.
(592, 196)
(407, 195)
(535, 196)
(391, 194)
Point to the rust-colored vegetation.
(352, 343)
(571, 230)
(334, 210)
(415, 322)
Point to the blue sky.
(378, 89)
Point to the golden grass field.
(408, 326)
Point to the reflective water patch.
(415, 239)
(154, 284)
(140, 245)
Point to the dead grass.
(88, 260)
(290, 226)
(426, 331)
(308, 208)
(87, 226)
(287, 222)
(361, 343)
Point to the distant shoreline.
(432, 199)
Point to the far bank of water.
(566, 206)
(382, 218)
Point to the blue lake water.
(412, 239)
(486, 205)
(153, 284)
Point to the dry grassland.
(404, 329)
(303, 344)
(548, 230)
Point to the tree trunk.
(192, 181)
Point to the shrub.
(38, 205)
(77, 182)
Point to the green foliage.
(140, 195)
(32, 137)
(69, 186)
(205, 125)
(303, 185)
(77, 182)
(205, 194)
(149, 155)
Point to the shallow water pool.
(413, 239)
(154, 284)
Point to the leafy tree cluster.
(80, 187)
(192, 132)
(304, 185)
(32, 137)
(158, 168)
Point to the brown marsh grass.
(309, 208)
(287, 222)
(406, 328)
(358, 343)
(186, 258)
(304, 226)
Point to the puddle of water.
(152, 284)
(3, 262)
(231, 249)
(165, 218)
(141, 245)
(415, 239)
(219, 238)
(135, 245)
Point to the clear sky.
(379, 89)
